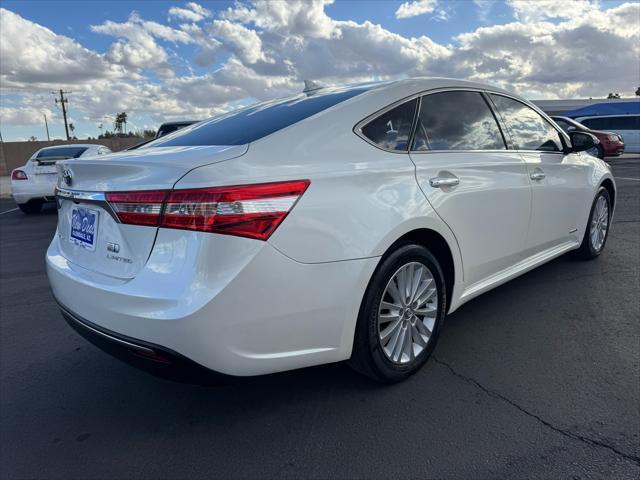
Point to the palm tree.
(120, 121)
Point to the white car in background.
(627, 126)
(334, 225)
(34, 183)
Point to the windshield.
(59, 153)
(257, 121)
(568, 124)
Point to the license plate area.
(84, 227)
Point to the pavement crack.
(566, 433)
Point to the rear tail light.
(253, 211)
(138, 208)
(18, 175)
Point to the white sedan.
(34, 183)
(341, 224)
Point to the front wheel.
(400, 315)
(597, 231)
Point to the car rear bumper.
(257, 313)
(25, 190)
(157, 360)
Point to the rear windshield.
(69, 152)
(250, 124)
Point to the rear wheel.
(597, 231)
(32, 206)
(400, 315)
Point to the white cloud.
(244, 42)
(569, 58)
(270, 47)
(193, 12)
(32, 55)
(415, 8)
(136, 47)
(483, 8)
(294, 17)
(535, 11)
(23, 115)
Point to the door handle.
(537, 174)
(438, 182)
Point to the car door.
(559, 181)
(477, 186)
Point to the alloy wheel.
(407, 313)
(599, 223)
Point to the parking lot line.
(7, 211)
(628, 178)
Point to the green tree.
(638, 92)
(613, 95)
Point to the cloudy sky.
(161, 60)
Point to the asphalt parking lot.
(538, 378)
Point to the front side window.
(456, 121)
(392, 129)
(529, 130)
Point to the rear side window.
(613, 123)
(392, 129)
(249, 124)
(456, 121)
(529, 130)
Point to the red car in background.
(611, 144)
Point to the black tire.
(368, 356)
(31, 207)
(587, 251)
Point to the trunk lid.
(89, 233)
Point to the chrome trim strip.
(77, 196)
(77, 321)
(357, 129)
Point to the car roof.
(419, 84)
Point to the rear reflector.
(18, 175)
(253, 211)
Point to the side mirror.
(582, 141)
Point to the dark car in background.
(169, 127)
(611, 144)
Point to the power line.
(62, 102)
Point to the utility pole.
(46, 125)
(62, 102)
